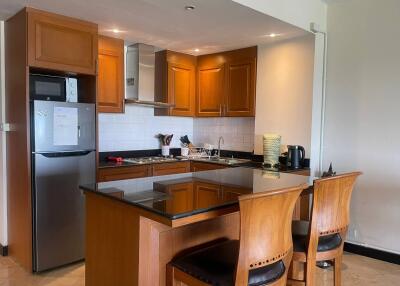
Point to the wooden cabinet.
(110, 95)
(230, 193)
(206, 194)
(61, 43)
(171, 168)
(226, 84)
(240, 87)
(182, 198)
(175, 83)
(123, 173)
(201, 166)
(210, 90)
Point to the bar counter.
(135, 227)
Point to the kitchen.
(135, 107)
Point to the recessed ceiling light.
(116, 31)
(272, 35)
(189, 8)
(196, 50)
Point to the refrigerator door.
(59, 206)
(63, 126)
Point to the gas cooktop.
(147, 160)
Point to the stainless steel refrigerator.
(63, 157)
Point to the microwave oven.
(53, 88)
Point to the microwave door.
(63, 126)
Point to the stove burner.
(147, 160)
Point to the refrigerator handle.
(66, 154)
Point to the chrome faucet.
(219, 145)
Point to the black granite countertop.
(157, 194)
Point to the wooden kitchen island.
(135, 227)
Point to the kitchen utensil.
(295, 156)
(114, 159)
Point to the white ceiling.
(215, 25)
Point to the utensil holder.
(165, 150)
(184, 151)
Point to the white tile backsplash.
(136, 129)
(238, 132)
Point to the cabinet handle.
(220, 109)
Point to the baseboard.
(3, 250)
(372, 253)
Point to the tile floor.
(357, 271)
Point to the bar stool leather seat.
(216, 265)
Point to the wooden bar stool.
(322, 238)
(262, 255)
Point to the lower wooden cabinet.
(206, 194)
(183, 198)
(111, 88)
(123, 173)
(171, 168)
(200, 166)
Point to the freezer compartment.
(63, 126)
(59, 206)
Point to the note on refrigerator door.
(65, 126)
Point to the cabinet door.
(210, 91)
(181, 89)
(240, 89)
(206, 195)
(171, 168)
(230, 193)
(61, 43)
(110, 95)
(182, 198)
(123, 173)
(199, 166)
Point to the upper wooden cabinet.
(61, 43)
(240, 87)
(175, 83)
(226, 83)
(210, 90)
(111, 91)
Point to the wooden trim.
(18, 141)
(372, 252)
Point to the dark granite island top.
(182, 195)
(137, 226)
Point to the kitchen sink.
(223, 160)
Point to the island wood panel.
(18, 141)
(202, 166)
(111, 89)
(127, 246)
(61, 43)
(123, 173)
(171, 168)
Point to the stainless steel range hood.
(140, 75)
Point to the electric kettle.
(295, 156)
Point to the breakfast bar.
(135, 227)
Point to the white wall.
(285, 91)
(238, 133)
(301, 14)
(295, 12)
(362, 116)
(3, 183)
